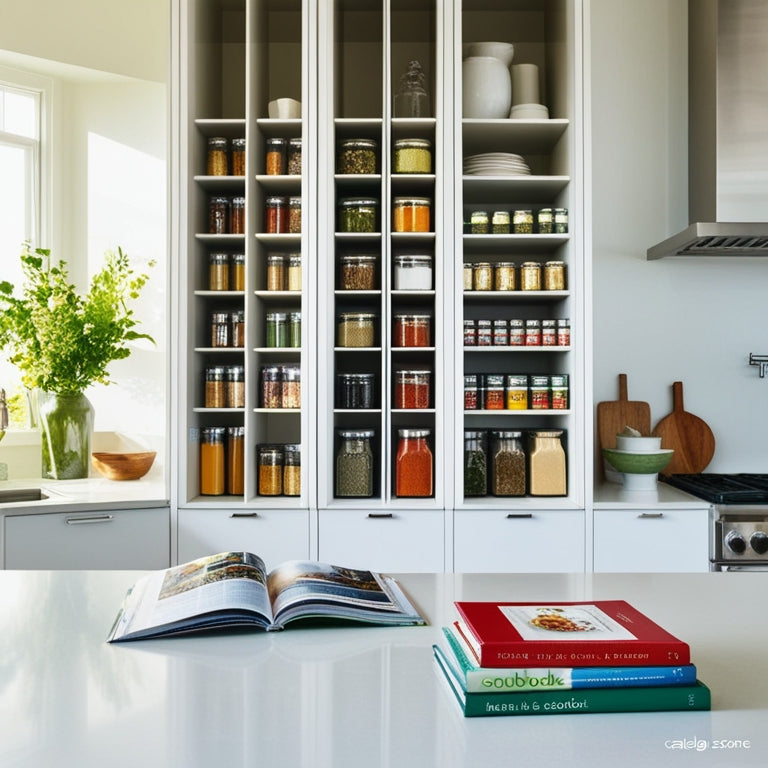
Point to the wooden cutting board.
(689, 436)
(614, 415)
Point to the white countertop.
(610, 495)
(336, 698)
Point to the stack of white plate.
(495, 164)
(529, 112)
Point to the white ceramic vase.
(486, 88)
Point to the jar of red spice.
(276, 215)
(413, 463)
(412, 389)
(411, 331)
(494, 392)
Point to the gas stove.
(739, 517)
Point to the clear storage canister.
(357, 272)
(293, 272)
(354, 391)
(412, 214)
(358, 214)
(270, 470)
(212, 461)
(504, 276)
(546, 464)
(356, 329)
(294, 157)
(413, 272)
(290, 386)
(216, 164)
(235, 460)
(215, 389)
(482, 276)
(412, 331)
(413, 464)
(530, 276)
(276, 215)
(554, 276)
(475, 463)
(412, 389)
(507, 464)
(237, 216)
(412, 156)
(354, 464)
(235, 386)
(357, 156)
(237, 272)
(276, 272)
(275, 157)
(220, 329)
(218, 215)
(292, 469)
(218, 272)
(238, 157)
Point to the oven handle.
(757, 567)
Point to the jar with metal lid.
(293, 272)
(237, 216)
(412, 389)
(212, 461)
(357, 156)
(290, 386)
(218, 215)
(215, 389)
(561, 220)
(358, 214)
(478, 222)
(412, 156)
(294, 329)
(548, 333)
(237, 321)
(500, 223)
(558, 385)
(354, 391)
(412, 331)
(482, 276)
(530, 276)
(275, 272)
(484, 333)
(218, 272)
(413, 272)
(494, 392)
(271, 459)
(237, 272)
(294, 157)
(354, 464)
(470, 333)
(236, 461)
(540, 393)
(504, 276)
(276, 329)
(500, 333)
(294, 215)
(475, 463)
(357, 271)
(275, 157)
(554, 276)
(563, 332)
(533, 333)
(238, 157)
(413, 464)
(507, 463)
(546, 463)
(271, 389)
(522, 222)
(470, 392)
(356, 329)
(517, 392)
(546, 221)
(292, 469)
(412, 214)
(516, 332)
(276, 215)
(467, 276)
(235, 386)
(220, 329)
(216, 162)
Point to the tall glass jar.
(546, 463)
(235, 461)
(354, 464)
(216, 163)
(413, 272)
(413, 464)
(212, 467)
(508, 474)
(475, 463)
(270, 470)
(292, 470)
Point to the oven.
(738, 517)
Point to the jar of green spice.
(475, 463)
(412, 156)
(358, 214)
(354, 463)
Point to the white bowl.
(284, 109)
(503, 51)
(640, 482)
(529, 112)
(638, 444)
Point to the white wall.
(689, 320)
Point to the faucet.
(761, 361)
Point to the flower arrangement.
(62, 341)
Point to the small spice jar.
(218, 215)
(292, 469)
(504, 276)
(293, 272)
(500, 333)
(475, 463)
(554, 276)
(275, 330)
(411, 331)
(413, 464)
(548, 333)
(354, 391)
(294, 215)
(237, 272)
(212, 461)
(500, 223)
(482, 276)
(237, 320)
(358, 214)
(271, 390)
(494, 392)
(235, 386)
(478, 223)
(357, 272)
(413, 272)
(412, 389)
(275, 157)
(216, 162)
(470, 333)
(539, 393)
(507, 463)
(546, 221)
(517, 392)
(484, 333)
(522, 222)
(470, 392)
(294, 157)
(558, 384)
(270, 470)
(546, 463)
(412, 214)
(275, 272)
(276, 215)
(466, 276)
(533, 333)
(235, 461)
(354, 463)
(564, 332)
(215, 389)
(294, 329)
(237, 216)
(357, 156)
(561, 220)
(356, 329)
(530, 276)
(238, 157)
(516, 332)
(412, 156)
(218, 272)
(220, 329)
(290, 386)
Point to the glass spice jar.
(212, 461)
(270, 470)
(479, 222)
(494, 392)
(470, 392)
(500, 223)
(292, 469)
(533, 333)
(411, 331)
(294, 157)
(290, 386)
(413, 272)
(218, 272)
(357, 156)
(554, 276)
(235, 386)
(561, 221)
(412, 214)
(522, 222)
(482, 276)
(237, 272)
(467, 276)
(358, 214)
(413, 464)
(484, 333)
(275, 157)
(354, 391)
(356, 329)
(558, 385)
(275, 330)
(504, 276)
(517, 392)
(470, 333)
(238, 157)
(546, 463)
(294, 329)
(237, 216)
(275, 272)
(412, 389)
(539, 393)
(546, 222)
(507, 464)
(354, 464)
(215, 390)
(530, 276)
(516, 332)
(220, 329)
(294, 215)
(276, 215)
(548, 333)
(500, 333)
(216, 161)
(237, 320)
(475, 463)
(271, 391)
(236, 461)
(293, 272)
(412, 156)
(218, 215)
(357, 272)
(564, 332)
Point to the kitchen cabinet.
(654, 539)
(102, 539)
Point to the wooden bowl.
(123, 466)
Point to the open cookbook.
(234, 589)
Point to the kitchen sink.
(15, 495)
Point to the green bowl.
(638, 463)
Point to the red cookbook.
(603, 633)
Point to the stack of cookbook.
(565, 658)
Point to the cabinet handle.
(379, 515)
(651, 515)
(244, 514)
(519, 515)
(92, 519)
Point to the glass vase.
(66, 426)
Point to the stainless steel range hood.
(727, 132)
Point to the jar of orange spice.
(412, 214)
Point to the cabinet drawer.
(391, 540)
(519, 541)
(652, 540)
(274, 535)
(104, 540)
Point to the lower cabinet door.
(518, 541)
(391, 541)
(275, 535)
(113, 539)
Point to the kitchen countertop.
(343, 697)
(610, 495)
